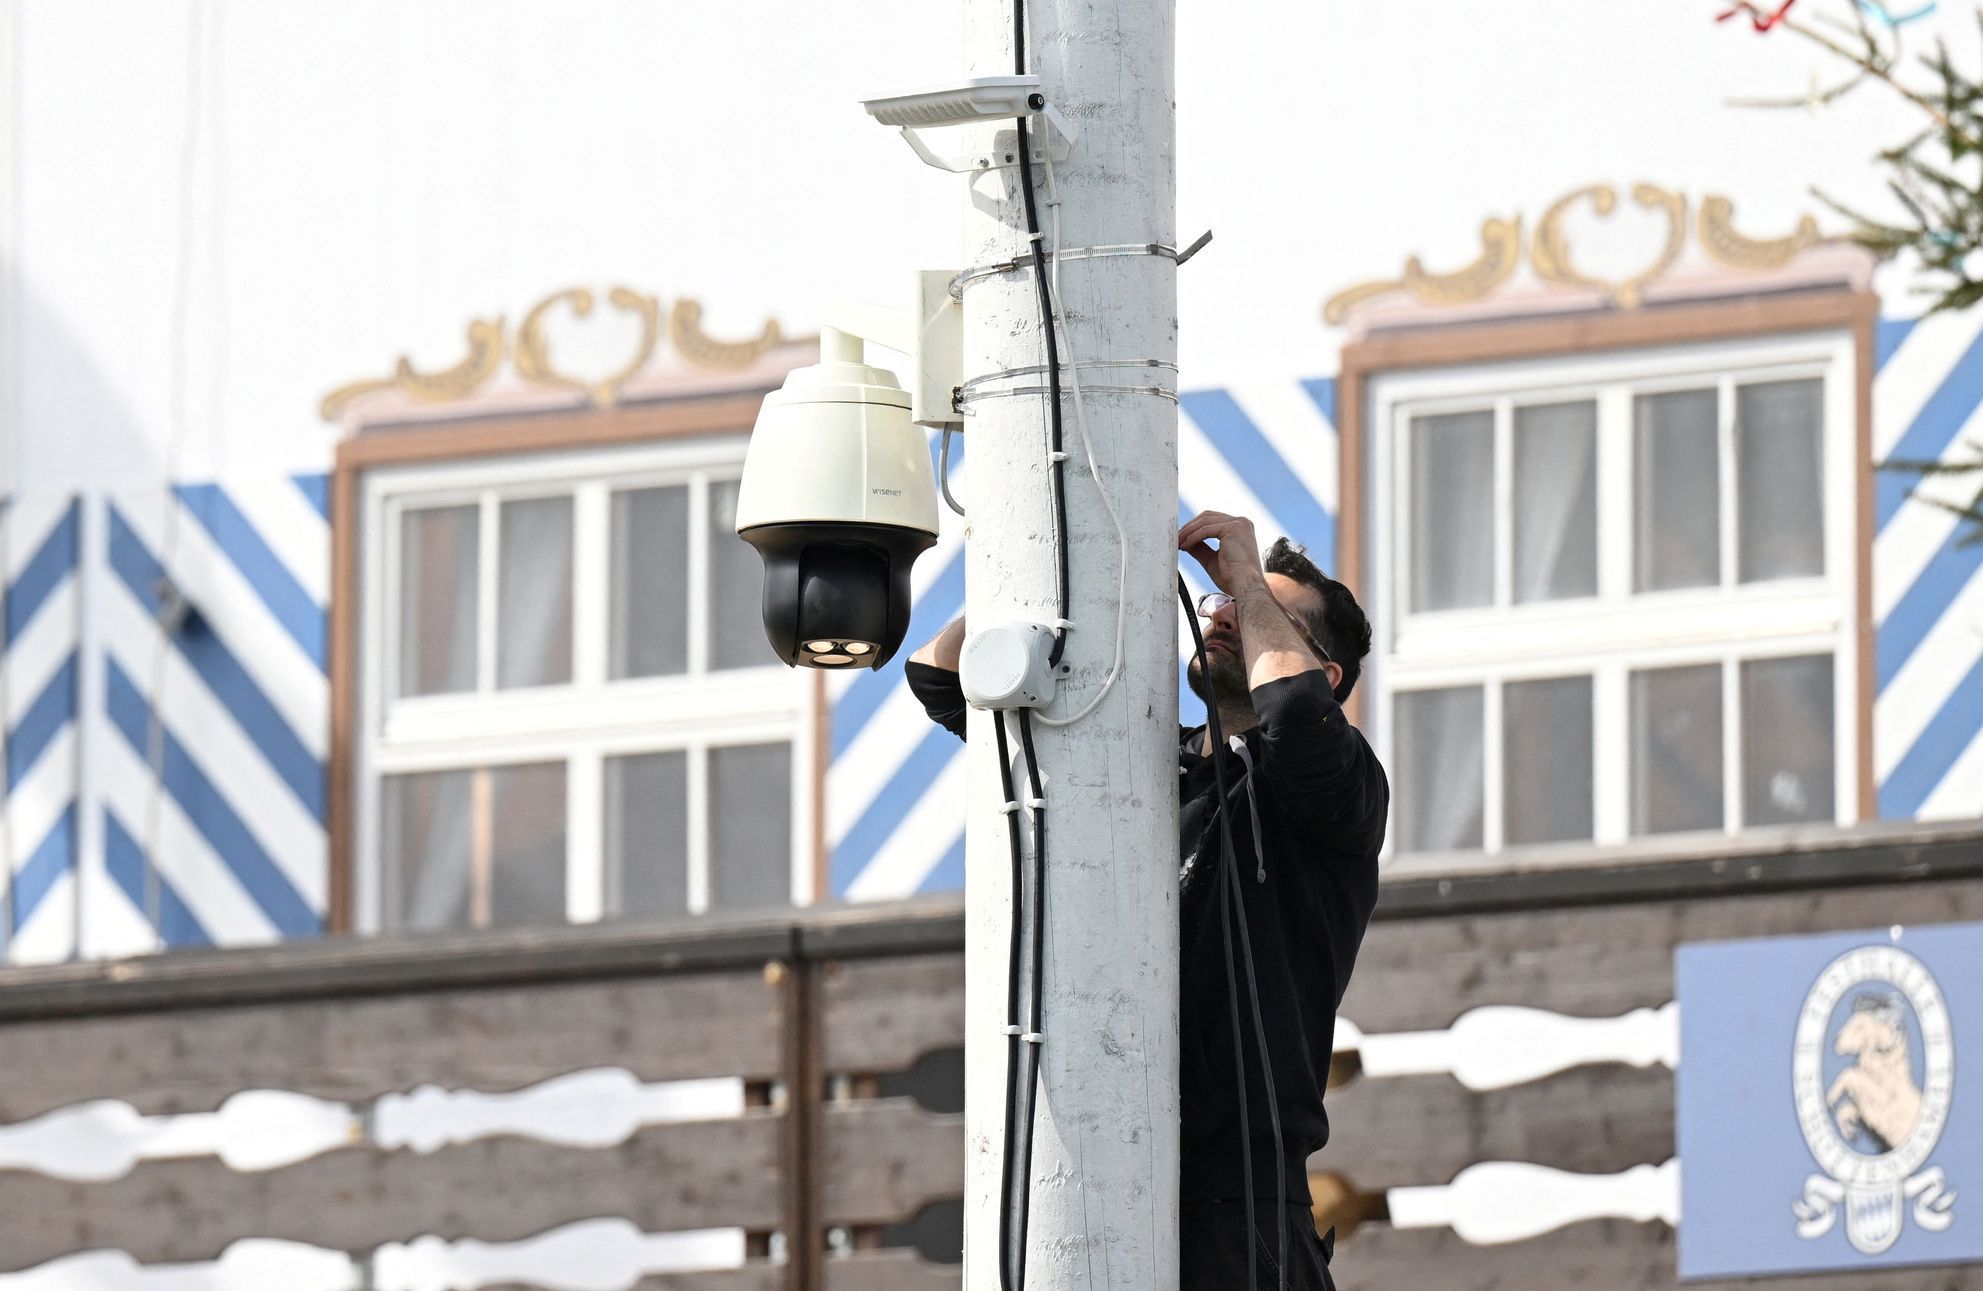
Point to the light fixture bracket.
(979, 101)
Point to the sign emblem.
(1873, 1072)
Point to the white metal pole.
(1103, 1183)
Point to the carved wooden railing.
(565, 1108)
(703, 1107)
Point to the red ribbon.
(1761, 22)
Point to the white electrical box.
(1006, 666)
(939, 351)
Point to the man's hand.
(1234, 565)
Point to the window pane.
(533, 594)
(1555, 502)
(526, 844)
(1676, 749)
(736, 589)
(1787, 761)
(750, 826)
(650, 611)
(438, 561)
(647, 853)
(474, 849)
(1676, 498)
(1546, 760)
(1439, 784)
(1780, 506)
(1452, 511)
(425, 848)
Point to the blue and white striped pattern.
(895, 787)
(41, 751)
(1927, 587)
(234, 819)
(895, 791)
(240, 843)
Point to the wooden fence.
(806, 1013)
(818, 1013)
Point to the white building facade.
(375, 383)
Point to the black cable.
(1037, 917)
(1012, 1041)
(1232, 910)
(1266, 1072)
(1056, 479)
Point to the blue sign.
(1824, 1118)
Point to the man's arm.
(943, 649)
(932, 676)
(1312, 754)
(1274, 648)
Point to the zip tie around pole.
(1056, 456)
(1006, 809)
(985, 378)
(1034, 1037)
(1019, 263)
(1037, 804)
(1011, 1030)
(1061, 625)
(1159, 391)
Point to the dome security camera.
(838, 499)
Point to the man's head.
(1322, 608)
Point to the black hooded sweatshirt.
(1308, 882)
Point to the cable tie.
(1036, 237)
(1034, 1037)
(1006, 809)
(1012, 1030)
(1061, 625)
(1056, 456)
(1037, 804)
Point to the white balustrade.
(263, 1129)
(1497, 1046)
(1512, 1201)
(592, 1255)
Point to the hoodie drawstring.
(1252, 809)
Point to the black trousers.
(1214, 1239)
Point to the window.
(1615, 596)
(566, 707)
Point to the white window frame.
(1617, 632)
(591, 718)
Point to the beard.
(1228, 688)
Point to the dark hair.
(1340, 625)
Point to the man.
(1284, 644)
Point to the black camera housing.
(840, 585)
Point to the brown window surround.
(729, 412)
(1514, 340)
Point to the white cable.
(1088, 452)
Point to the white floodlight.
(977, 101)
(985, 98)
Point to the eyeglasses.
(1211, 603)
